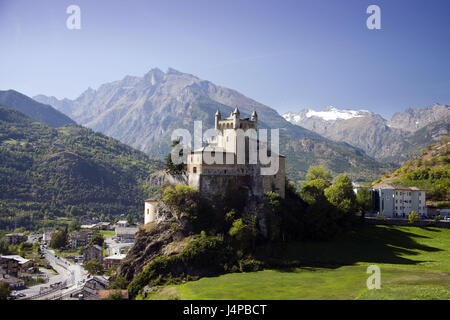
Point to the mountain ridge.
(49, 173)
(380, 138)
(143, 111)
(38, 111)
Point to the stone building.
(79, 238)
(232, 157)
(93, 252)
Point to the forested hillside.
(430, 171)
(34, 109)
(49, 174)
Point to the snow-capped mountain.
(378, 137)
(329, 113)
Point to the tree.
(313, 190)
(93, 267)
(74, 225)
(363, 200)
(4, 247)
(340, 194)
(413, 217)
(242, 233)
(97, 239)
(170, 167)
(129, 218)
(120, 282)
(318, 172)
(59, 239)
(317, 180)
(4, 291)
(115, 295)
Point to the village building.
(93, 252)
(398, 201)
(47, 236)
(78, 239)
(91, 288)
(13, 264)
(122, 223)
(15, 238)
(12, 282)
(113, 261)
(126, 234)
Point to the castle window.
(194, 169)
(148, 211)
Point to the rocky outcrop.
(158, 240)
(414, 119)
(161, 177)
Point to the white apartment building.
(398, 201)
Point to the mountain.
(143, 112)
(430, 170)
(34, 109)
(380, 138)
(414, 119)
(50, 174)
(411, 146)
(329, 113)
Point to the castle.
(231, 157)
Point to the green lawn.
(414, 264)
(107, 233)
(65, 253)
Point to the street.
(70, 277)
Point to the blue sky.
(286, 54)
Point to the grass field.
(107, 233)
(414, 264)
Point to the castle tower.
(217, 118)
(151, 210)
(254, 118)
(236, 116)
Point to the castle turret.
(218, 117)
(254, 118)
(236, 116)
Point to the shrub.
(413, 217)
(250, 265)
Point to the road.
(70, 275)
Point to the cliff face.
(160, 240)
